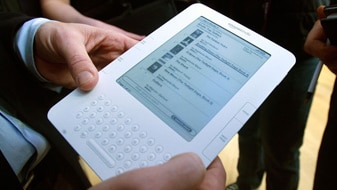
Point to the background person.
(270, 141)
(326, 162)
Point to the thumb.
(81, 67)
(182, 172)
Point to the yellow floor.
(315, 127)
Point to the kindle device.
(187, 87)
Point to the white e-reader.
(187, 87)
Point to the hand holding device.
(187, 87)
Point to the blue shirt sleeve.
(25, 44)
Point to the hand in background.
(62, 10)
(316, 44)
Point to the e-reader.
(187, 87)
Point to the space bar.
(101, 153)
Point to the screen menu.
(188, 79)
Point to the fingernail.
(84, 77)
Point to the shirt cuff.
(24, 42)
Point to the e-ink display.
(188, 79)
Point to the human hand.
(215, 177)
(70, 55)
(62, 10)
(316, 45)
(183, 172)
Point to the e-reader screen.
(188, 79)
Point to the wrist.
(24, 42)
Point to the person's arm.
(24, 44)
(9, 25)
(66, 54)
(62, 10)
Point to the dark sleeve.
(25, 98)
(20, 92)
(9, 25)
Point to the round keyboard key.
(120, 115)
(128, 121)
(85, 121)
(167, 156)
(86, 109)
(150, 142)
(100, 121)
(98, 135)
(101, 97)
(112, 148)
(127, 164)
(143, 149)
(114, 108)
(135, 127)
(107, 103)
(128, 134)
(77, 128)
(113, 121)
(92, 115)
(127, 149)
(92, 128)
(120, 128)
(84, 134)
(143, 164)
(159, 149)
(151, 156)
(106, 114)
(94, 103)
(113, 134)
(119, 156)
(119, 171)
(106, 128)
(105, 142)
(143, 134)
(100, 109)
(79, 115)
(135, 141)
(120, 141)
(135, 156)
